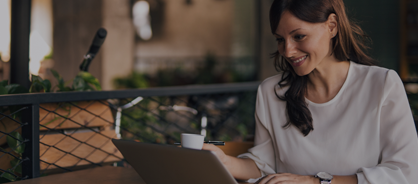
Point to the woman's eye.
(299, 37)
(279, 40)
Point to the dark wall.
(380, 20)
(75, 25)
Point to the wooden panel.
(54, 115)
(74, 145)
(7, 125)
(6, 158)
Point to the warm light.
(41, 34)
(38, 50)
(5, 30)
(142, 19)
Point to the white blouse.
(366, 129)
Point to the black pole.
(19, 44)
(30, 133)
(258, 37)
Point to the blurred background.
(155, 43)
(179, 42)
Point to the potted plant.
(61, 116)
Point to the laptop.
(157, 164)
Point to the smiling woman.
(316, 32)
(364, 131)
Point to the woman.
(329, 116)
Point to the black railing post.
(30, 132)
(19, 45)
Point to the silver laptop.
(158, 164)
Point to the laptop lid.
(157, 164)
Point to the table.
(102, 175)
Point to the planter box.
(7, 125)
(86, 131)
(71, 135)
(65, 116)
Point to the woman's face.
(306, 46)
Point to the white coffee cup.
(192, 141)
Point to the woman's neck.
(326, 80)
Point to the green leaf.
(3, 180)
(79, 84)
(56, 74)
(61, 83)
(4, 83)
(47, 85)
(15, 162)
(90, 79)
(40, 85)
(3, 90)
(16, 89)
(8, 176)
(16, 144)
(36, 86)
(36, 78)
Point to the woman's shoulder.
(372, 73)
(273, 80)
(271, 85)
(375, 76)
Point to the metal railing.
(61, 132)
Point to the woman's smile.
(298, 61)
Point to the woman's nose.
(289, 49)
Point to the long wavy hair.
(348, 45)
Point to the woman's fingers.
(273, 178)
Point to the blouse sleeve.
(398, 161)
(263, 152)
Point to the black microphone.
(94, 48)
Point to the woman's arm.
(300, 179)
(240, 168)
(259, 159)
(398, 139)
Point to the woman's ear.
(333, 24)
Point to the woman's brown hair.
(347, 45)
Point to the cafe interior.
(78, 74)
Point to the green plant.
(17, 146)
(83, 81)
(6, 88)
(209, 73)
(132, 81)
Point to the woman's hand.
(240, 168)
(218, 152)
(288, 178)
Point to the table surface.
(103, 175)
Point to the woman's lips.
(299, 61)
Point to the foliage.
(132, 81)
(15, 142)
(83, 81)
(139, 122)
(6, 88)
(207, 74)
